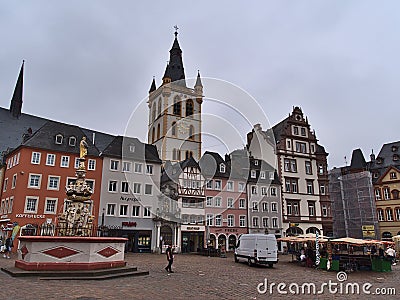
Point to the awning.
(4, 220)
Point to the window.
(230, 202)
(59, 139)
(296, 130)
(14, 181)
(324, 211)
(289, 208)
(254, 206)
(135, 211)
(396, 210)
(91, 164)
(292, 208)
(254, 190)
(312, 148)
(112, 186)
(386, 193)
(123, 210)
(321, 169)
(31, 204)
(393, 175)
(380, 214)
(242, 221)
(310, 187)
(262, 174)
(303, 131)
(138, 167)
(77, 163)
(290, 165)
(231, 221)
(146, 212)
(177, 107)
(50, 159)
(149, 169)
(218, 220)
(289, 144)
(308, 167)
(311, 208)
(72, 141)
(90, 183)
(34, 180)
(158, 131)
(378, 194)
(189, 107)
(173, 129)
(114, 165)
(256, 162)
(389, 214)
(159, 106)
(53, 183)
(255, 222)
(291, 185)
(217, 201)
(274, 207)
(265, 222)
(210, 219)
(209, 201)
(222, 168)
(229, 186)
(217, 185)
(124, 187)
(64, 161)
(131, 148)
(322, 189)
(136, 188)
(110, 209)
(265, 207)
(296, 208)
(35, 158)
(50, 206)
(191, 135)
(242, 203)
(274, 222)
(200, 219)
(253, 174)
(273, 191)
(192, 219)
(301, 147)
(241, 187)
(264, 190)
(10, 204)
(148, 189)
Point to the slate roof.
(388, 156)
(45, 137)
(171, 172)
(357, 160)
(120, 147)
(210, 165)
(175, 69)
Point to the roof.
(357, 160)
(45, 138)
(171, 172)
(210, 165)
(175, 69)
(131, 148)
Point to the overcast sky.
(337, 60)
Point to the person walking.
(7, 248)
(170, 258)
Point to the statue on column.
(83, 146)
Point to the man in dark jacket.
(7, 249)
(170, 258)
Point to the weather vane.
(176, 30)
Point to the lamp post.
(102, 223)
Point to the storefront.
(139, 241)
(192, 238)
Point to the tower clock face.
(183, 127)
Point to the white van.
(257, 249)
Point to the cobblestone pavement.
(195, 277)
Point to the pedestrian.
(391, 254)
(7, 248)
(170, 258)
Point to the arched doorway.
(313, 230)
(222, 241)
(294, 231)
(166, 235)
(232, 242)
(212, 241)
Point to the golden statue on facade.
(83, 146)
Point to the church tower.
(175, 111)
(16, 100)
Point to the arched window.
(153, 136)
(189, 107)
(187, 155)
(158, 131)
(173, 129)
(59, 139)
(159, 106)
(174, 154)
(191, 132)
(177, 106)
(153, 112)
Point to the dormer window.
(379, 160)
(376, 175)
(393, 175)
(395, 157)
(222, 168)
(256, 162)
(59, 139)
(394, 148)
(253, 174)
(72, 141)
(132, 148)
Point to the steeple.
(16, 100)
(198, 87)
(153, 86)
(175, 69)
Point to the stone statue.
(83, 146)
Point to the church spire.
(153, 86)
(16, 100)
(175, 68)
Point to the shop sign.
(29, 216)
(128, 224)
(192, 228)
(231, 230)
(368, 231)
(4, 217)
(129, 199)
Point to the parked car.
(257, 249)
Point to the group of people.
(6, 248)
